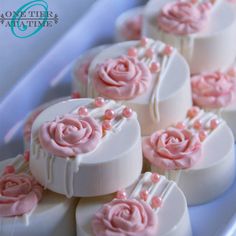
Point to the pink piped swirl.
(70, 135)
(131, 28)
(182, 18)
(128, 217)
(213, 90)
(19, 194)
(172, 149)
(122, 78)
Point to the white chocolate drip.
(73, 164)
(160, 189)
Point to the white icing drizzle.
(73, 164)
(159, 189)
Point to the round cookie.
(93, 215)
(77, 140)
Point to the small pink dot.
(155, 178)
(194, 1)
(192, 112)
(214, 123)
(83, 111)
(75, 95)
(197, 125)
(232, 72)
(106, 125)
(156, 202)
(132, 52)
(26, 156)
(127, 112)
(168, 50)
(202, 135)
(180, 125)
(144, 41)
(155, 67)
(144, 195)
(121, 195)
(99, 102)
(9, 169)
(109, 114)
(149, 53)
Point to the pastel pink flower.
(213, 90)
(122, 78)
(131, 29)
(183, 17)
(172, 149)
(19, 194)
(70, 135)
(128, 217)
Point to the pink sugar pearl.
(9, 169)
(121, 195)
(83, 111)
(155, 67)
(109, 114)
(156, 202)
(106, 125)
(99, 102)
(144, 195)
(149, 53)
(168, 50)
(144, 41)
(214, 123)
(180, 125)
(155, 178)
(127, 112)
(132, 52)
(197, 124)
(202, 135)
(192, 112)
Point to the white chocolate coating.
(169, 88)
(214, 173)
(86, 174)
(211, 49)
(173, 218)
(54, 215)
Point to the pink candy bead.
(144, 195)
(83, 111)
(155, 67)
(121, 195)
(75, 95)
(214, 123)
(168, 50)
(127, 112)
(192, 112)
(144, 41)
(202, 135)
(27, 156)
(180, 125)
(132, 52)
(197, 124)
(156, 202)
(106, 125)
(109, 114)
(9, 169)
(155, 178)
(99, 102)
(149, 53)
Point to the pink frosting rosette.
(70, 135)
(183, 17)
(172, 149)
(122, 78)
(213, 90)
(19, 194)
(131, 28)
(127, 217)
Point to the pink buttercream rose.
(172, 149)
(213, 90)
(70, 135)
(19, 194)
(131, 28)
(125, 218)
(122, 78)
(182, 17)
